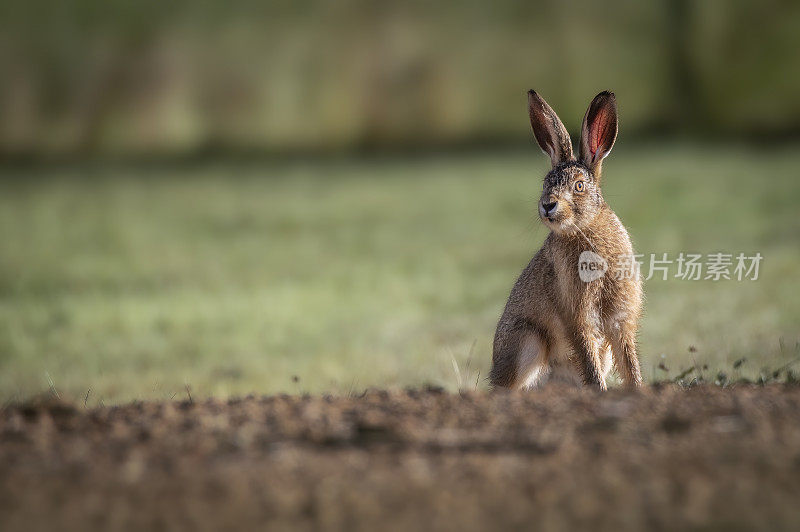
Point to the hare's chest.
(578, 274)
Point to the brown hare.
(560, 320)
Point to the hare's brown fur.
(555, 323)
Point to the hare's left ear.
(599, 131)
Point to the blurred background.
(324, 196)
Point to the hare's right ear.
(550, 133)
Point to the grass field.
(230, 278)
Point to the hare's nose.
(548, 208)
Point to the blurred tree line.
(113, 76)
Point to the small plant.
(694, 375)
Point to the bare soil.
(559, 459)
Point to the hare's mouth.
(557, 223)
(551, 222)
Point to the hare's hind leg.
(531, 365)
(519, 360)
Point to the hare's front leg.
(588, 347)
(623, 345)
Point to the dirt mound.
(556, 458)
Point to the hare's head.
(571, 196)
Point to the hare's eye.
(579, 186)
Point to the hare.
(568, 314)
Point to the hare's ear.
(599, 131)
(550, 133)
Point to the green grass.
(336, 276)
